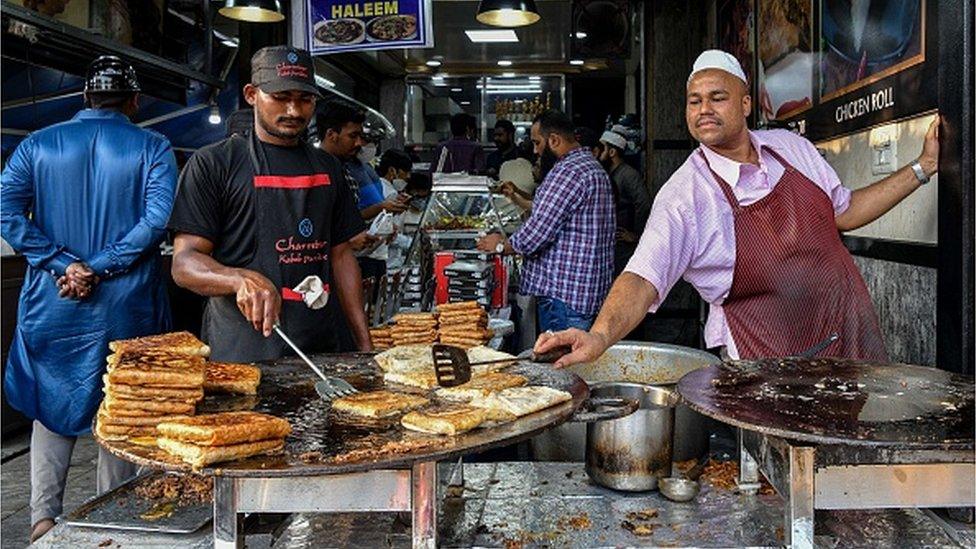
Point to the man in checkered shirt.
(567, 243)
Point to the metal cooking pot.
(657, 364)
(631, 453)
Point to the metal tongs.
(453, 368)
(329, 388)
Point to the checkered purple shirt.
(567, 242)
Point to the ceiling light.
(535, 78)
(580, 35)
(433, 63)
(214, 117)
(479, 36)
(229, 43)
(507, 13)
(508, 75)
(253, 11)
(504, 63)
(576, 62)
(456, 90)
(465, 102)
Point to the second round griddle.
(836, 401)
(317, 444)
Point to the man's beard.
(274, 131)
(547, 160)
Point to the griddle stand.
(387, 490)
(825, 476)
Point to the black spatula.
(452, 367)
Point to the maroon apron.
(794, 282)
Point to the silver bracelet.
(919, 172)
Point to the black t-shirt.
(215, 198)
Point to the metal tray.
(287, 390)
(120, 509)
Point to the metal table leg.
(748, 469)
(424, 505)
(799, 506)
(227, 531)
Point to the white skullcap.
(718, 59)
(615, 139)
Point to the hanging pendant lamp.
(253, 11)
(507, 13)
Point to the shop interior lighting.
(535, 78)
(504, 63)
(456, 90)
(253, 11)
(214, 117)
(508, 75)
(507, 13)
(433, 63)
(465, 102)
(486, 36)
(576, 62)
(229, 43)
(324, 82)
(580, 35)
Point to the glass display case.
(460, 210)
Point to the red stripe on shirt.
(292, 182)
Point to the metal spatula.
(452, 367)
(329, 388)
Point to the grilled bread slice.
(239, 379)
(129, 407)
(446, 421)
(378, 404)
(123, 432)
(481, 386)
(135, 421)
(183, 343)
(158, 378)
(201, 456)
(521, 401)
(422, 378)
(225, 428)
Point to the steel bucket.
(656, 364)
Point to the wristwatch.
(919, 172)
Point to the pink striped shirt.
(690, 232)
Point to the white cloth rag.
(314, 293)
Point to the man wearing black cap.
(263, 223)
(86, 203)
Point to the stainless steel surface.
(371, 491)
(604, 408)
(424, 509)
(329, 388)
(678, 489)
(656, 364)
(838, 401)
(895, 486)
(120, 509)
(227, 530)
(318, 445)
(851, 477)
(633, 452)
(531, 504)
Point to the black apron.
(292, 242)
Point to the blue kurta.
(98, 189)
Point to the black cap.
(109, 74)
(283, 68)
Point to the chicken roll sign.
(338, 26)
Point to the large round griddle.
(317, 442)
(836, 401)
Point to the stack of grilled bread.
(149, 380)
(414, 329)
(382, 337)
(211, 438)
(463, 324)
(232, 379)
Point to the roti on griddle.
(144, 420)
(446, 421)
(521, 401)
(176, 342)
(481, 386)
(423, 378)
(158, 377)
(123, 432)
(228, 378)
(148, 392)
(201, 456)
(225, 428)
(378, 404)
(125, 406)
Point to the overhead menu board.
(337, 26)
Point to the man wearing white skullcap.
(630, 196)
(752, 221)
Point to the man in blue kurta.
(86, 202)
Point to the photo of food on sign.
(344, 25)
(786, 58)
